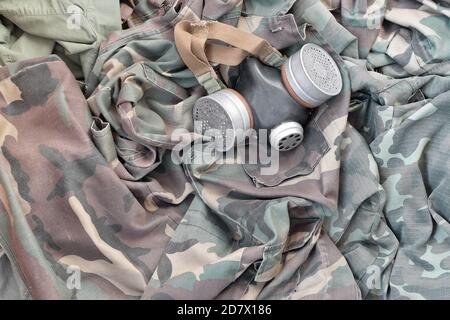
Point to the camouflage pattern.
(89, 185)
(407, 133)
(135, 12)
(64, 205)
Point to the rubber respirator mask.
(264, 96)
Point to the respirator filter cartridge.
(226, 114)
(311, 76)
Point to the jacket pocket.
(271, 170)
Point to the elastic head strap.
(247, 42)
(191, 42)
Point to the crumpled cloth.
(93, 205)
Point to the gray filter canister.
(311, 76)
(225, 112)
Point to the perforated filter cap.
(286, 136)
(312, 76)
(224, 114)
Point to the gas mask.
(266, 97)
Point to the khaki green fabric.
(74, 29)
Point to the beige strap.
(225, 55)
(191, 41)
(126, 10)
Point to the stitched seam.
(133, 36)
(13, 260)
(146, 70)
(204, 230)
(326, 262)
(248, 233)
(298, 174)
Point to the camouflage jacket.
(94, 206)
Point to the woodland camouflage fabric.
(360, 210)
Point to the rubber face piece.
(263, 89)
